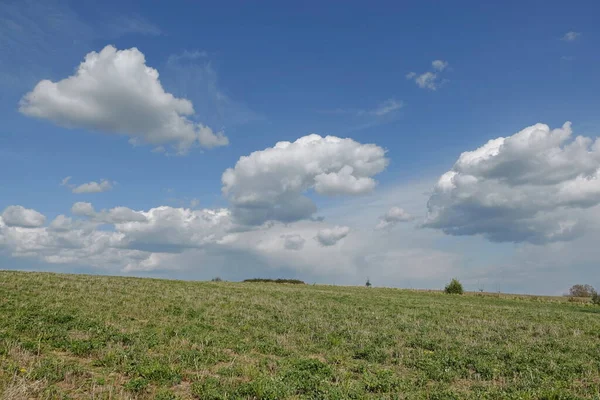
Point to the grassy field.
(80, 337)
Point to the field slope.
(67, 336)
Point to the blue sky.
(261, 74)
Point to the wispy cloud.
(389, 106)
(33, 33)
(132, 24)
(191, 74)
(431, 79)
(571, 36)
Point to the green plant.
(136, 385)
(596, 298)
(368, 283)
(454, 287)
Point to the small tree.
(596, 298)
(368, 283)
(217, 279)
(582, 291)
(454, 287)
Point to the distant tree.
(454, 287)
(217, 279)
(259, 280)
(368, 283)
(582, 291)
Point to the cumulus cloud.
(571, 36)
(534, 186)
(83, 209)
(271, 184)
(393, 216)
(114, 215)
(129, 239)
(115, 91)
(90, 187)
(200, 244)
(431, 79)
(20, 216)
(169, 229)
(94, 187)
(330, 236)
(293, 242)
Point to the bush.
(582, 291)
(293, 281)
(217, 279)
(454, 287)
(596, 298)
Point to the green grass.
(80, 337)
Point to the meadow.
(82, 337)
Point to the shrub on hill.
(454, 287)
(582, 291)
(292, 281)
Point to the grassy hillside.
(67, 336)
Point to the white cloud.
(127, 239)
(83, 209)
(153, 262)
(115, 91)
(439, 65)
(93, 187)
(293, 242)
(430, 79)
(20, 216)
(393, 216)
(402, 257)
(535, 186)
(169, 229)
(330, 236)
(90, 187)
(571, 36)
(270, 184)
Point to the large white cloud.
(271, 184)
(534, 186)
(22, 217)
(115, 91)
